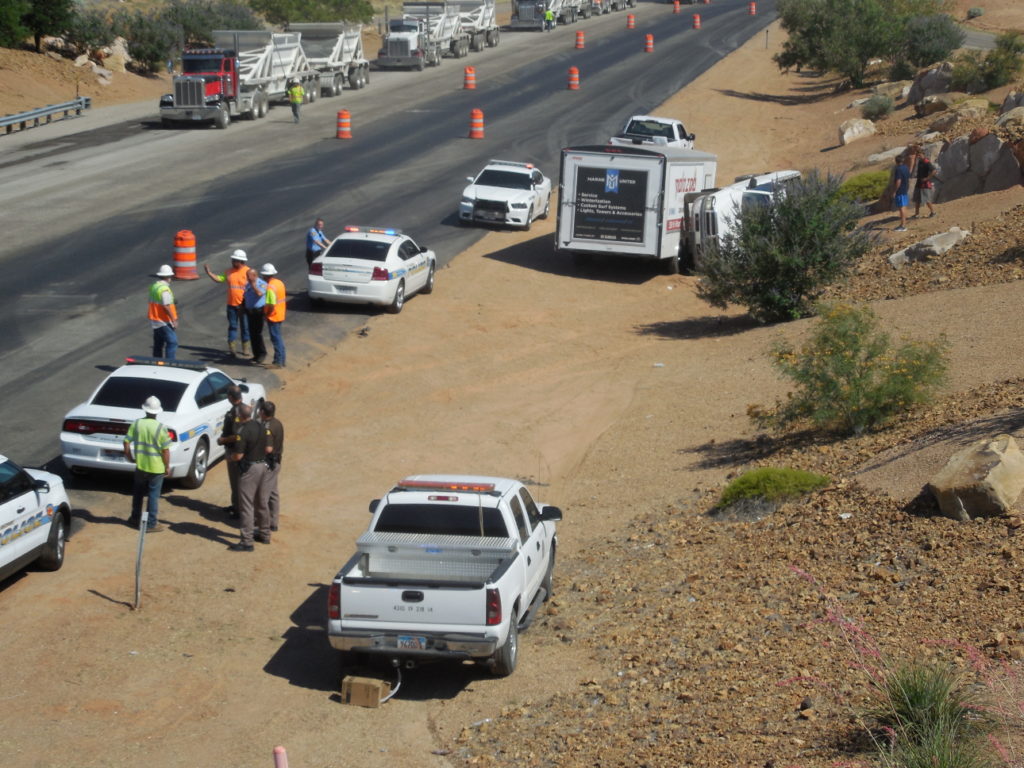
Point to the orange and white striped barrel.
(469, 78)
(752, 9)
(579, 39)
(476, 124)
(706, 2)
(648, 43)
(696, 21)
(630, 21)
(185, 256)
(675, 6)
(344, 125)
(574, 79)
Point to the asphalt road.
(89, 215)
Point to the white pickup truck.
(648, 129)
(451, 567)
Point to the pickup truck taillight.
(334, 601)
(493, 608)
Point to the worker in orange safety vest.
(236, 280)
(163, 314)
(275, 311)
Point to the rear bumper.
(376, 292)
(438, 646)
(79, 453)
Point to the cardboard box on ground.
(364, 691)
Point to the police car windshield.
(126, 392)
(440, 519)
(369, 250)
(507, 179)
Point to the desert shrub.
(975, 72)
(932, 38)
(771, 483)
(150, 38)
(902, 70)
(973, 13)
(865, 187)
(89, 29)
(968, 72)
(195, 20)
(850, 377)
(878, 107)
(777, 258)
(283, 11)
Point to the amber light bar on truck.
(443, 485)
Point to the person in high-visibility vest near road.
(163, 314)
(274, 309)
(236, 280)
(549, 19)
(296, 95)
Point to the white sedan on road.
(507, 193)
(35, 517)
(194, 398)
(372, 266)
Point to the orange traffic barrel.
(675, 6)
(648, 43)
(579, 39)
(476, 124)
(696, 21)
(630, 21)
(752, 9)
(706, 2)
(469, 78)
(185, 256)
(344, 125)
(574, 79)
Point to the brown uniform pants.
(253, 495)
(273, 499)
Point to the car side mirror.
(691, 136)
(469, 179)
(373, 505)
(423, 249)
(41, 485)
(549, 514)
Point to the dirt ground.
(621, 398)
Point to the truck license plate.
(412, 643)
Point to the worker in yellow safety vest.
(236, 278)
(163, 314)
(275, 310)
(296, 95)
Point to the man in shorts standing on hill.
(901, 188)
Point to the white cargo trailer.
(335, 50)
(426, 32)
(629, 201)
(480, 21)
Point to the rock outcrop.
(982, 480)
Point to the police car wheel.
(399, 301)
(197, 469)
(53, 555)
(428, 287)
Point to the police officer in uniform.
(250, 454)
(228, 438)
(275, 448)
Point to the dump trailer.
(426, 32)
(240, 76)
(529, 14)
(480, 21)
(629, 202)
(335, 50)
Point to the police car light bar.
(373, 230)
(190, 365)
(435, 485)
(511, 162)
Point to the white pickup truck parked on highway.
(648, 129)
(451, 567)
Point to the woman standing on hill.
(924, 186)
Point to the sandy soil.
(612, 390)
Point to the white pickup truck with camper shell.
(648, 129)
(713, 214)
(451, 567)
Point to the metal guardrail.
(43, 115)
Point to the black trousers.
(259, 346)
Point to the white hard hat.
(152, 405)
(268, 269)
(165, 271)
(239, 255)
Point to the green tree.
(48, 17)
(929, 39)
(88, 30)
(195, 20)
(777, 258)
(12, 31)
(284, 11)
(150, 38)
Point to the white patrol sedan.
(35, 517)
(372, 266)
(194, 398)
(506, 193)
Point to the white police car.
(372, 266)
(506, 193)
(194, 399)
(35, 517)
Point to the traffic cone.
(675, 6)
(469, 79)
(579, 39)
(696, 21)
(630, 21)
(574, 79)
(344, 125)
(649, 44)
(476, 124)
(752, 9)
(185, 256)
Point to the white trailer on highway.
(335, 50)
(529, 14)
(426, 32)
(480, 21)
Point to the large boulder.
(954, 159)
(887, 155)
(939, 102)
(962, 185)
(896, 90)
(982, 152)
(1011, 117)
(945, 122)
(1005, 171)
(929, 248)
(1013, 100)
(982, 480)
(931, 81)
(854, 129)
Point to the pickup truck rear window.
(440, 519)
